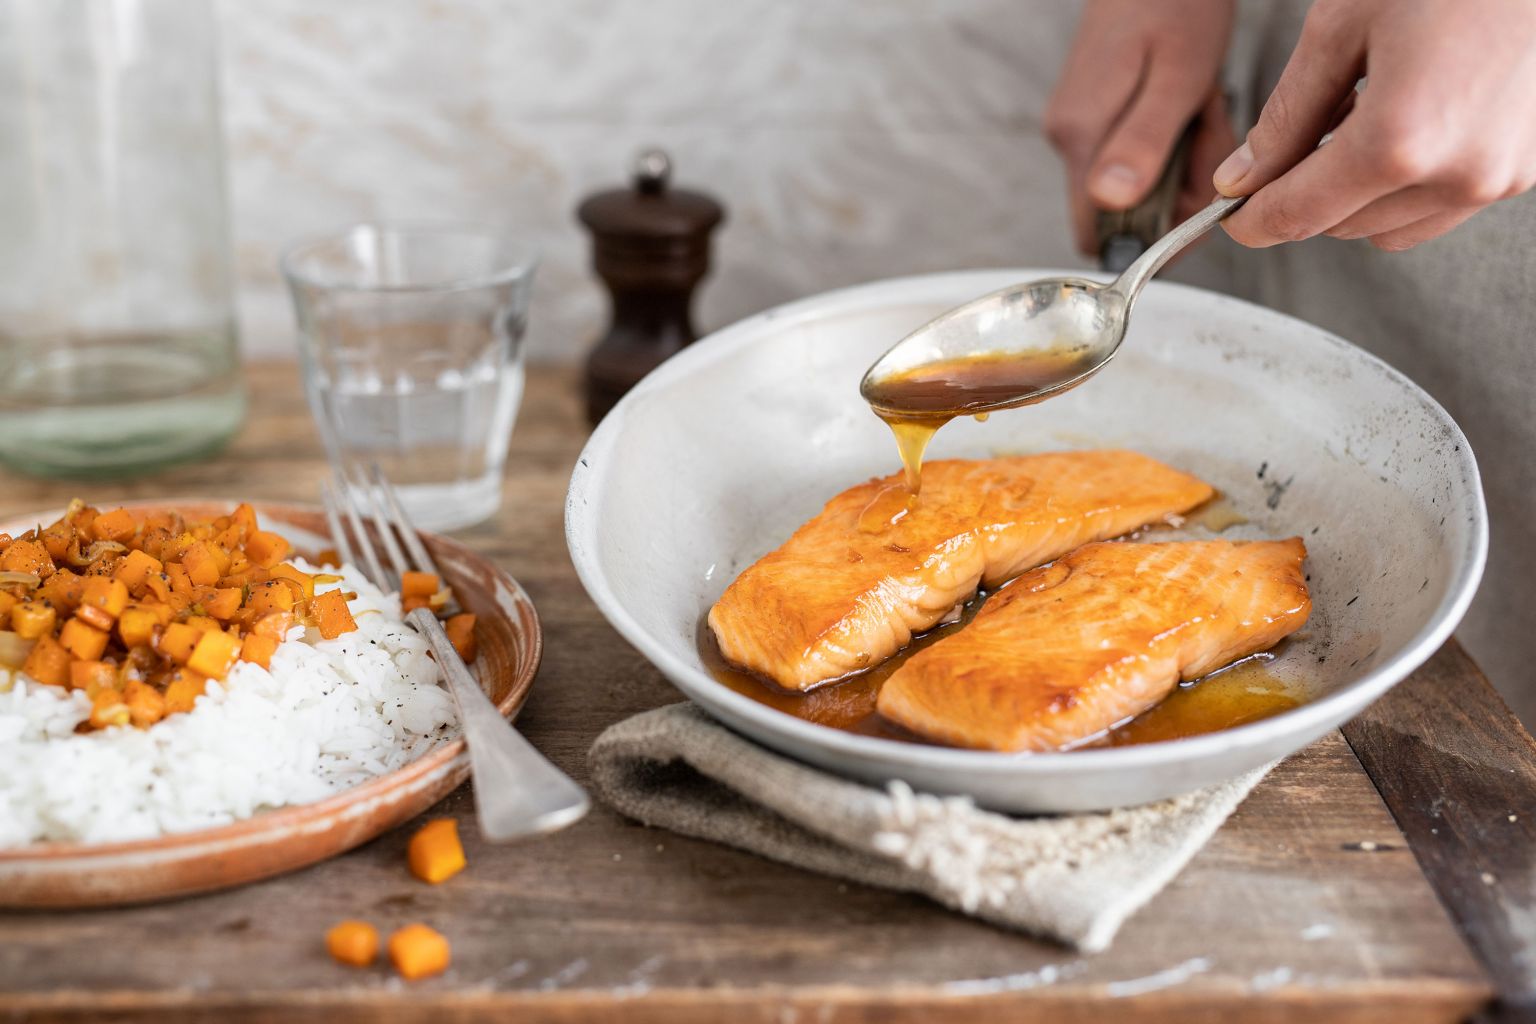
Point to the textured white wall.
(850, 139)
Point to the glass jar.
(118, 351)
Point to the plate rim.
(447, 758)
(1316, 714)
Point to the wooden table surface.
(1309, 904)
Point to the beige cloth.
(1458, 315)
(1074, 879)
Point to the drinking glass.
(118, 352)
(411, 339)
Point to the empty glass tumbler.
(117, 339)
(412, 346)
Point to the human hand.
(1139, 71)
(1445, 126)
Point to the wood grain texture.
(1306, 905)
(1458, 772)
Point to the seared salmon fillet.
(851, 586)
(1096, 637)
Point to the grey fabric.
(1074, 879)
(1458, 315)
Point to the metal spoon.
(1076, 323)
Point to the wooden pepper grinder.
(650, 246)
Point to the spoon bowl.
(1023, 344)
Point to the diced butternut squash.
(414, 601)
(63, 590)
(108, 709)
(332, 615)
(158, 586)
(32, 619)
(435, 853)
(7, 602)
(202, 564)
(110, 595)
(181, 579)
(93, 616)
(244, 518)
(91, 676)
(418, 952)
(419, 584)
(135, 569)
(306, 582)
(221, 604)
(83, 641)
(272, 596)
(146, 705)
(461, 633)
(177, 641)
(214, 655)
(267, 549)
(204, 623)
(273, 624)
(182, 693)
(27, 556)
(118, 526)
(48, 662)
(258, 650)
(355, 943)
(136, 626)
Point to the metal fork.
(518, 792)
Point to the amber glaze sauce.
(917, 402)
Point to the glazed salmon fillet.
(1098, 636)
(852, 586)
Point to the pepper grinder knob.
(650, 248)
(653, 169)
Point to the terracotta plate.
(76, 875)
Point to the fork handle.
(518, 792)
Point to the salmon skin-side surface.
(1097, 637)
(851, 587)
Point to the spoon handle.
(1129, 284)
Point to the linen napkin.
(1073, 878)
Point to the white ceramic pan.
(716, 457)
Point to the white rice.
(330, 714)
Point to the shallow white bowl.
(717, 456)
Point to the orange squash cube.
(332, 614)
(7, 602)
(117, 525)
(146, 705)
(181, 579)
(91, 676)
(418, 952)
(258, 650)
(182, 693)
(285, 570)
(108, 709)
(355, 943)
(48, 662)
(214, 655)
(177, 641)
(272, 596)
(135, 569)
(267, 549)
(273, 624)
(31, 619)
(461, 633)
(110, 595)
(221, 604)
(136, 626)
(202, 564)
(243, 518)
(419, 584)
(435, 853)
(204, 623)
(84, 641)
(26, 556)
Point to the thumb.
(1318, 78)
